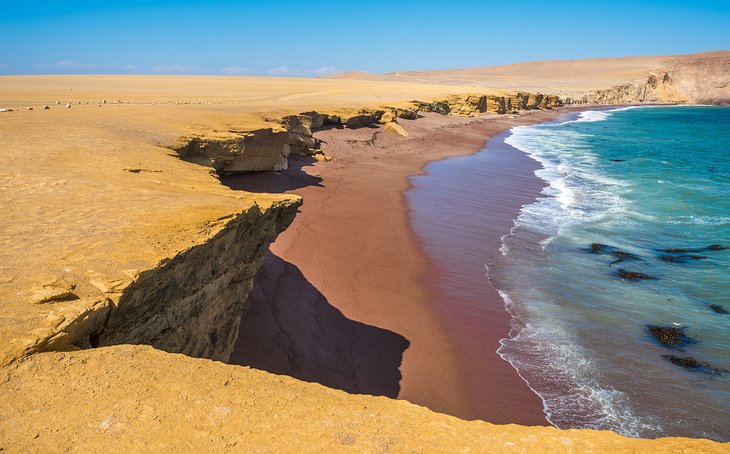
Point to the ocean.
(617, 276)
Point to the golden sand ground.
(92, 197)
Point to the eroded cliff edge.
(269, 148)
(700, 79)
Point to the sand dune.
(578, 77)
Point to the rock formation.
(269, 148)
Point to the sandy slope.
(574, 77)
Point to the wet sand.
(350, 297)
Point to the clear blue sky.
(310, 38)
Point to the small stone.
(68, 105)
(6, 110)
(395, 128)
(45, 107)
(30, 108)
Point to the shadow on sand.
(275, 182)
(289, 328)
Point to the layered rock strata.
(190, 303)
(269, 148)
(658, 87)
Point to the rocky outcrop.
(262, 149)
(473, 105)
(658, 87)
(269, 148)
(700, 78)
(191, 303)
(137, 399)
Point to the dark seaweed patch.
(622, 256)
(718, 309)
(712, 247)
(598, 248)
(694, 364)
(669, 336)
(634, 275)
(681, 258)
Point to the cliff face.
(657, 88)
(191, 303)
(269, 148)
(700, 78)
(137, 399)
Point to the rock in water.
(669, 336)
(681, 258)
(718, 309)
(633, 275)
(694, 364)
(712, 247)
(598, 247)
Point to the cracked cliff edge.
(191, 303)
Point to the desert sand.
(110, 238)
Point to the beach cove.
(353, 242)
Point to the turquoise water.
(638, 180)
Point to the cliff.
(694, 78)
(658, 87)
(269, 148)
(701, 79)
(135, 398)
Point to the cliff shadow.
(289, 328)
(275, 182)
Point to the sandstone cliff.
(695, 78)
(269, 148)
(658, 87)
(699, 78)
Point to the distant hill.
(701, 77)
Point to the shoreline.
(351, 271)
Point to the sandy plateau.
(117, 230)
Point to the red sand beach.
(349, 297)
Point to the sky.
(315, 38)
